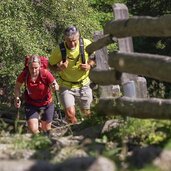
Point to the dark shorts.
(44, 113)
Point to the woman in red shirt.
(38, 95)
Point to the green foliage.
(104, 9)
(146, 168)
(37, 142)
(141, 132)
(34, 27)
(167, 145)
(151, 8)
(3, 125)
(156, 89)
(20, 34)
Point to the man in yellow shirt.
(73, 74)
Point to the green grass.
(146, 168)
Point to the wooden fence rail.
(152, 108)
(140, 26)
(149, 65)
(135, 26)
(154, 66)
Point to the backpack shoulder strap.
(82, 50)
(63, 51)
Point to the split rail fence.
(123, 67)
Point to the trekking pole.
(58, 104)
(60, 113)
(17, 118)
(82, 50)
(18, 114)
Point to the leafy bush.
(34, 27)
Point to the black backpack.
(63, 50)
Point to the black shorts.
(44, 113)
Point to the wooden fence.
(123, 66)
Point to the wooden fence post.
(102, 64)
(133, 85)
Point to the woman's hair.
(34, 58)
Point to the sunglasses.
(70, 31)
(34, 58)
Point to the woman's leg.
(32, 117)
(46, 126)
(47, 117)
(33, 125)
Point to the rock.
(74, 164)
(143, 156)
(87, 164)
(90, 132)
(68, 152)
(25, 165)
(163, 161)
(110, 124)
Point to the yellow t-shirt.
(72, 74)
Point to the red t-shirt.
(38, 92)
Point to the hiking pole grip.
(58, 104)
(18, 114)
(17, 117)
(63, 51)
(82, 50)
(57, 95)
